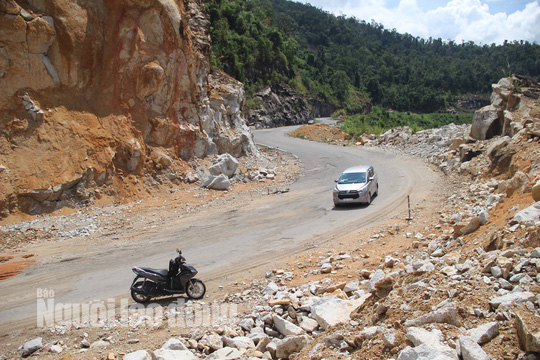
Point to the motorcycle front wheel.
(138, 297)
(195, 289)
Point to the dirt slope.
(108, 98)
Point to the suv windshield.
(352, 178)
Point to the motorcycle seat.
(162, 272)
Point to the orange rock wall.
(89, 89)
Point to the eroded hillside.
(108, 98)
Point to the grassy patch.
(380, 120)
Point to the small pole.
(409, 205)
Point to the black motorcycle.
(179, 279)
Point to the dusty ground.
(322, 133)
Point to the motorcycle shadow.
(168, 301)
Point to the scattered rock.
(290, 345)
(99, 344)
(308, 325)
(484, 333)
(270, 289)
(487, 122)
(174, 344)
(514, 297)
(32, 346)
(528, 329)
(377, 276)
(326, 268)
(434, 338)
(390, 340)
(332, 311)
(224, 164)
(445, 314)
(226, 353)
(470, 350)
(56, 349)
(163, 354)
(239, 342)
(472, 226)
(286, 328)
(220, 182)
(85, 343)
(422, 352)
(138, 355)
(535, 190)
(530, 215)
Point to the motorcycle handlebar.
(180, 259)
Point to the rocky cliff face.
(512, 110)
(95, 93)
(280, 105)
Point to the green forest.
(348, 62)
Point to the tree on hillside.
(339, 58)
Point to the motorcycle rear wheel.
(195, 289)
(138, 297)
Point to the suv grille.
(350, 194)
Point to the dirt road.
(225, 242)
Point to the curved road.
(227, 241)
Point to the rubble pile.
(322, 133)
(223, 173)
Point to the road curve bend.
(225, 242)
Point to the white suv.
(357, 184)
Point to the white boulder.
(138, 355)
(225, 164)
(470, 350)
(162, 354)
(32, 346)
(332, 311)
(285, 327)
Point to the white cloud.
(528, 21)
(470, 20)
(459, 20)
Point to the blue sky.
(481, 21)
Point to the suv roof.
(354, 169)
